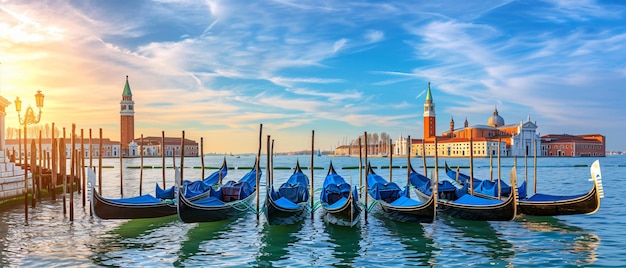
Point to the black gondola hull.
(277, 215)
(501, 212)
(586, 204)
(346, 215)
(424, 213)
(108, 210)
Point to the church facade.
(493, 139)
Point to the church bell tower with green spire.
(127, 123)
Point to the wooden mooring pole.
(40, 168)
(25, 166)
(100, 164)
(72, 171)
(81, 166)
(62, 165)
(53, 165)
(33, 167)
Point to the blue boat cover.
(296, 189)
(488, 187)
(469, 199)
(334, 189)
(422, 183)
(142, 199)
(232, 190)
(164, 194)
(547, 198)
(209, 202)
(521, 191)
(338, 203)
(380, 189)
(194, 188)
(214, 178)
(404, 201)
(285, 203)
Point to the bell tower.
(429, 116)
(127, 122)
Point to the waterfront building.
(109, 148)
(152, 146)
(573, 145)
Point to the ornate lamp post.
(29, 119)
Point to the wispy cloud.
(229, 65)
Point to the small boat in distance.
(339, 200)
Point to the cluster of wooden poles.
(48, 168)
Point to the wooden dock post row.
(49, 168)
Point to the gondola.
(289, 203)
(339, 200)
(486, 188)
(459, 203)
(396, 203)
(140, 207)
(230, 200)
(554, 205)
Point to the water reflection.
(419, 245)
(194, 243)
(275, 243)
(131, 236)
(482, 234)
(137, 227)
(570, 238)
(346, 241)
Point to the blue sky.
(218, 69)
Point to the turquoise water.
(579, 240)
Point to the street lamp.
(29, 116)
(29, 119)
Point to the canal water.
(51, 240)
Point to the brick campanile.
(429, 116)
(127, 122)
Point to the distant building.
(573, 145)
(152, 146)
(109, 148)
